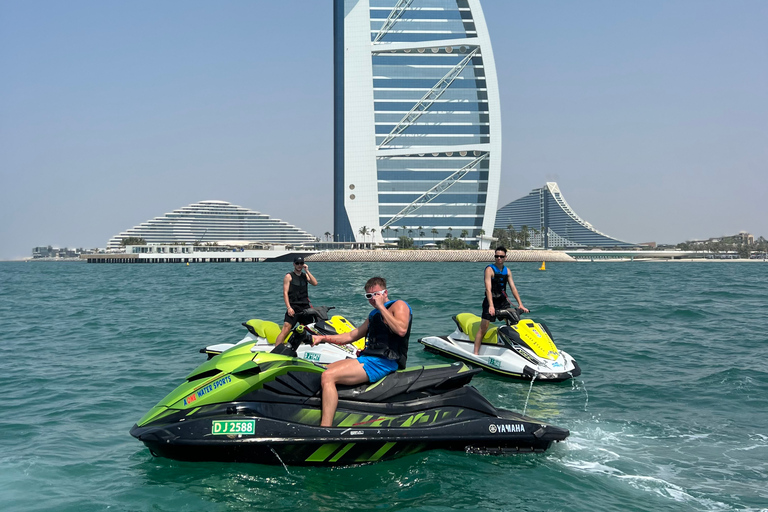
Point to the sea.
(669, 414)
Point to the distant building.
(741, 237)
(417, 120)
(551, 222)
(56, 252)
(214, 221)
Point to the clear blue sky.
(651, 115)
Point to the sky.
(652, 115)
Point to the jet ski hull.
(261, 338)
(274, 441)
(266, 408)
(521, 349)
(502, 362)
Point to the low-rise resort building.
(209, 222)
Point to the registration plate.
(228, 427)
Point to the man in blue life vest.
(386, 330)
(295, 296)
(497, 277)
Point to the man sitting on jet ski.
(497, 277)
(386, 330)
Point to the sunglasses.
(369, 296)
(499, 255)
(302, 263)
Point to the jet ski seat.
(469, 324)
(263, 329)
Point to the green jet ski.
(264, 407)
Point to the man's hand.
(492, 310)
(523, 308)
(379, 301)
(291, 312)
(318, 338)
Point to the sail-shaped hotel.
(417, 121)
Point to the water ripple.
(669, 413)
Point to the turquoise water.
(671, 412)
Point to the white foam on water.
(669, 490)
(620, 456)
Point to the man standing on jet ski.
(497, 277)
(386, 330)
(295, 295)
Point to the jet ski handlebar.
(317, 312)
(510, 316)
(290, 347)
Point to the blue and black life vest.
(499, 282)
(382, 342)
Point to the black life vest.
(382, 342)
(297, 290)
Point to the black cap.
(298, 259)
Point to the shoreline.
(447, 256)
(436, 256)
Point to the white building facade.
(552, 222)
(417, 121)
(214, 221)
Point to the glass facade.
(551, 221)
(418, 132)
(214, 221)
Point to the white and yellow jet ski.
(521, 349)
(316, 320)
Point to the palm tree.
(512, 235)
(363, 231)
(434, 234)
(464, 234)
(524, 235)
(327, 235)
(373, 232)
(421, 233)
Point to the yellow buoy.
(542, 266)
(187, 263)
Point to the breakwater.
(435, 256)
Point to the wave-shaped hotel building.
(214, 221)
(416, 119)
(552, 222)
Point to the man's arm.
(343, 338)
(397, 317)
(488, 294)
(516, 295)
(488, 279)
(310, 277)
(286, 285)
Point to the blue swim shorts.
(377, 367)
